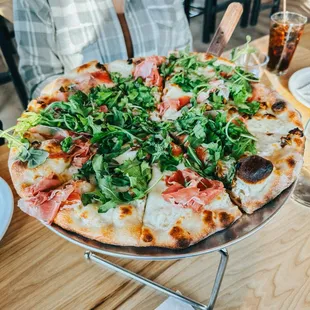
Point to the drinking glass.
(285, 32)
(302, 190)
(253, 62)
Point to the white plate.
(6, 207)
(299, 79)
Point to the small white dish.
(6, 207)
(299, 86)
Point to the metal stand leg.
(165, 290)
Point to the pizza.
(154, 151)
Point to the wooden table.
(271, 269)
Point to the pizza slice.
(48, 157)
(112, 210)
(105, 202)
(183, 208)
(279, 141)
(259, 179)
(120, 225)
(140, 80)
(191, 79)
(83, 78)
(262, 177)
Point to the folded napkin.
(174, 304)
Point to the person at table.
(54, 37)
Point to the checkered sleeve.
(36, 46)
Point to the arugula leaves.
(225, 170)
(138, 173)
(242, 50)
(183, 69)
(34, 157)
(188, 80)
(157, 149)
(66, 144)
(212, 141)
(118, 183)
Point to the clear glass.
(253, 62)
(285, 32)
(302, 190)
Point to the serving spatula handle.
(225, 29)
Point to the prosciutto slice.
(45, 205)
(81, 153)
(148, 70)
(187, 189)
(173, 104)
(84, 82)
(42, 133)
(46, 183)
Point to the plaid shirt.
(53, 36)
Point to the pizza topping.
(186, 189)
(287, 140)
(225, 170)
(118, 185)
(84, 82)
(202, 153)
(176, 150)
(103, 108)
(77, 149)
(254, 169)
(262, 94)
(42, 132)
(210, 139)
(173, 104)
(45, 205)
(25, 151)
(218, 87)
(148, 70)
(81, 153)
(45, 183)
(102, 77)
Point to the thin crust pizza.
(154, 151)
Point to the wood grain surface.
(269, 270)
(225, 29)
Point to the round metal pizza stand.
(241, 229)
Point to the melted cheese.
(129, 154)
(90, 217)
(265, 125)
(172, 115)
(267, 144)
(208, 71)
(122, 67)
(176, 92)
